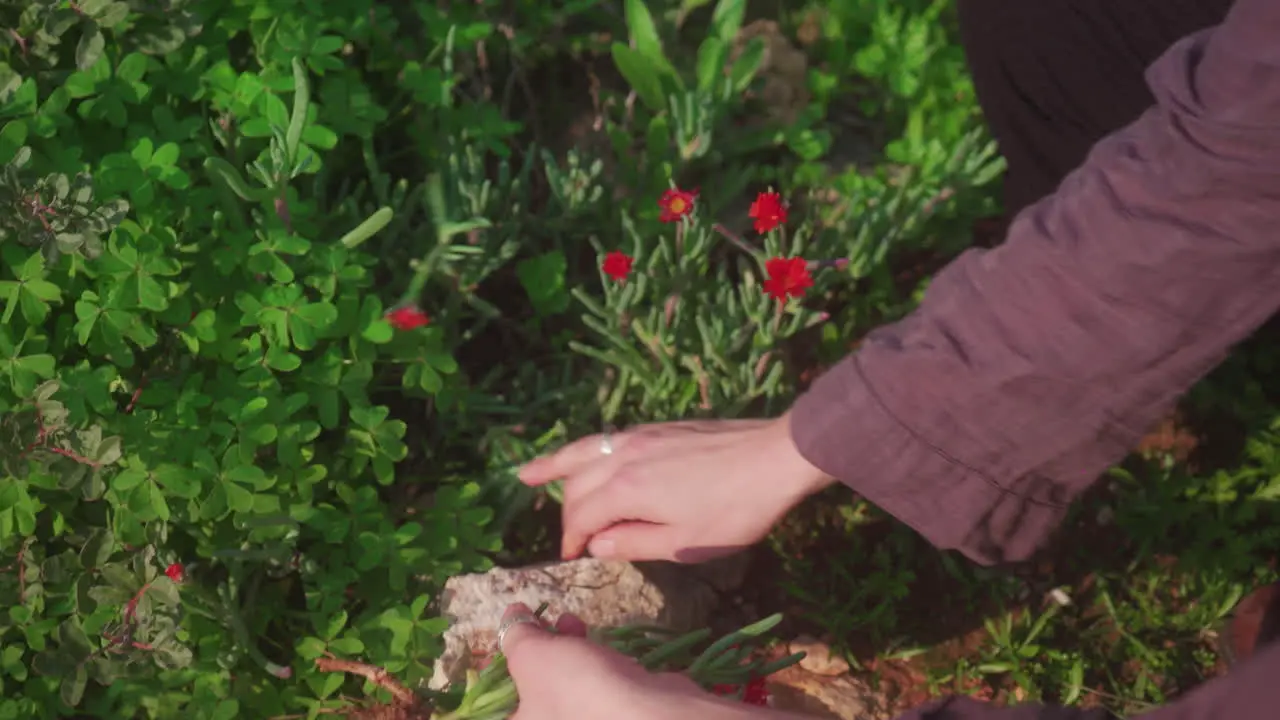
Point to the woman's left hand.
(565, 676)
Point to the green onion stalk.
(731, 661)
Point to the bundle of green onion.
(730, 661)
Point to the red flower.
(756, 693)
(175, 572)
(787, 276)
(407, 318)
(768, 211)
(617, 265)
(675, 204)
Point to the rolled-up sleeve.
(1029, 369)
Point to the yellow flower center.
(677, 205)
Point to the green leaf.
(44, 290)
(92, 7)
(424, 376)
(73, 641)
(89, 51)
(250, 475)
(179, 481)
(319, 136)
(378, 332)
(368, 228)
(711, 58)
(301, 104)
(441, 360)
(279, 358)
(747, 65)
(238, 499)
(120, 577)
(128, 479)
(12, 136)
(334, 625)
(310, 648)
(165, 591)
(347, 646)
(319, 315)
(641, 74)
(166, 155)
(303, 335)
(72, 689)
(42, 365)
(230, 709)
(98, 548)
(543, 278)
(726, 19)
(643, 32)
(22, 101)
(113, 14)
(80, 85)
(226, 172)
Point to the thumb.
(532, 651)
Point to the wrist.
(802, 477)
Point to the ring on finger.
(521, 619)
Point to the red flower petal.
(788, 277)
(768, 211)
(407, 318)
(756, 693)
(617, 265)
(675, 204)
(175, 572)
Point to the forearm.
(1029, 369)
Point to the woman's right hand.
(683, 491)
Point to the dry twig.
(373, 674)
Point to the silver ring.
(510, 623)
(606, 443)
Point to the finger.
(536, 656)
(577, 487)
(634, 542)
(625, 497)
(569, 459)
(519, 634)
(571, 625)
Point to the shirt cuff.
(842, 428)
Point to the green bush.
(220, 459)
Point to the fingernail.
(603, 548)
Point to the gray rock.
(838, 697)
(818, 658)
(604, 594)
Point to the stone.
(605, 594)
(818, 658)
(840, 697)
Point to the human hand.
(684, 491)
(565, 676)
